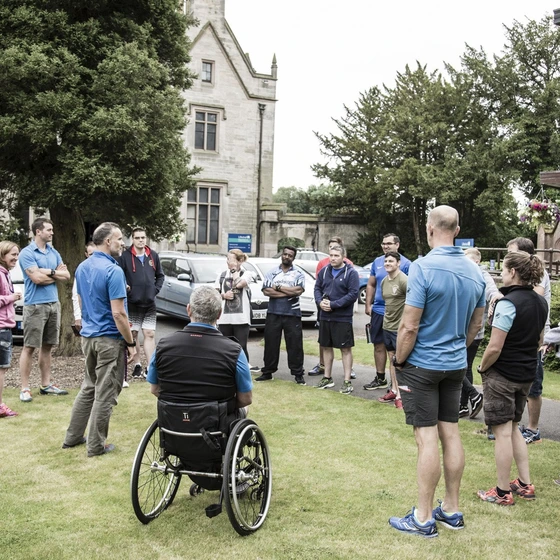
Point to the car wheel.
(362, 296)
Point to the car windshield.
(206, 271)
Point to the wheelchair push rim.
(154, 480)
(247, 484)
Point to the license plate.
(259, 314)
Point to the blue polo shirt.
(100, 280)
(33, 256)
(448, 286)
(243, 380)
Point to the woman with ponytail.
(508, 369)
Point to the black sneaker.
(376, 384)
(300, 380)
(476, 405)
(463, 411)
(137, 371)
(264, 377)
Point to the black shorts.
(390, 340)
(429, 396)
(504, 400)
(376, 328)
(333, 334)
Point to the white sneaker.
(125, 385)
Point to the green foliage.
(91, 112)
(291, 241)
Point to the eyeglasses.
(387, 244)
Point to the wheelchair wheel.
(154, 481)
(247, 485)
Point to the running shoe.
(52, 390)
(388, 397)
(453, 521)
(376, 384)
(319, 369)
(398, 404)
(6, 412)
(346, 388)
(137, 371)
(463, 411)
(352, 374)
(531, 436)
(493, 497)
(300, 380)
(408, 524)
(25, 395)
(325, 383)
(526, 492)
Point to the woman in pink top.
(9, 253)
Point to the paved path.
(550, 414)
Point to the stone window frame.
(204, 213)
(204, 72)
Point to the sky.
(329, 51)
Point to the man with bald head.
(443, 313)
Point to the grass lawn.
(363, 354)
(342, 466)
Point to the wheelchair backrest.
(196, 432)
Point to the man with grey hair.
(430, 362)
(105, 335)
(199, 364)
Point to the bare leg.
(453, 463)
(135, 337)
(394, 384)
(534, 405)
(321, 357)
(428, 470)
(347, 359)
(328, 355)
(380, 356)
(2, 375)
(520, 454)
(149, 344)
(503, 453)
(25, 365)
(45, 364)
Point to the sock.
(137, 364)
(521, 483)
(381, 376)
(422, 524)
(501, 492)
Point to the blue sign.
(465, 243)
(242, 241)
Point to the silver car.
(16, 275)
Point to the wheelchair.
(216, 451)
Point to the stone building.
(230, 134)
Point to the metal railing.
(550, 257)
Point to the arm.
(370, 292)
(121, 320)
(475, 324)
(493, 350)
(283, 291)
(76, 305)
(243, 399)
(408, 332)
(243, 382)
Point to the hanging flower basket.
(537, 213)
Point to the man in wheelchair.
(203, 384)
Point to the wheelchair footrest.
(213, 509)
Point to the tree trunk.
(69, 240)
(416, 226)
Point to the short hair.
(290, 248)
(239, 255)
(5, 248)
(102, 232)
(90, 244)
(473, 254)
(529, 267)
(393, 254)
(138, 228)
(336, 240)
(39, 223)
(205, 305)
(396, 238)
(523, 244)
(339, 248)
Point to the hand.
(228, 295)
(61, 266)
(78, 324)
(17, 295)
(368, 310)
(127, 288)
(325, 305)
(131, 353)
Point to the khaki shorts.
(41, 324)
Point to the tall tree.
(91, 116)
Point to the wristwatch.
(53, 272)
(395, 363)
(479, 370)
(130, 344)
